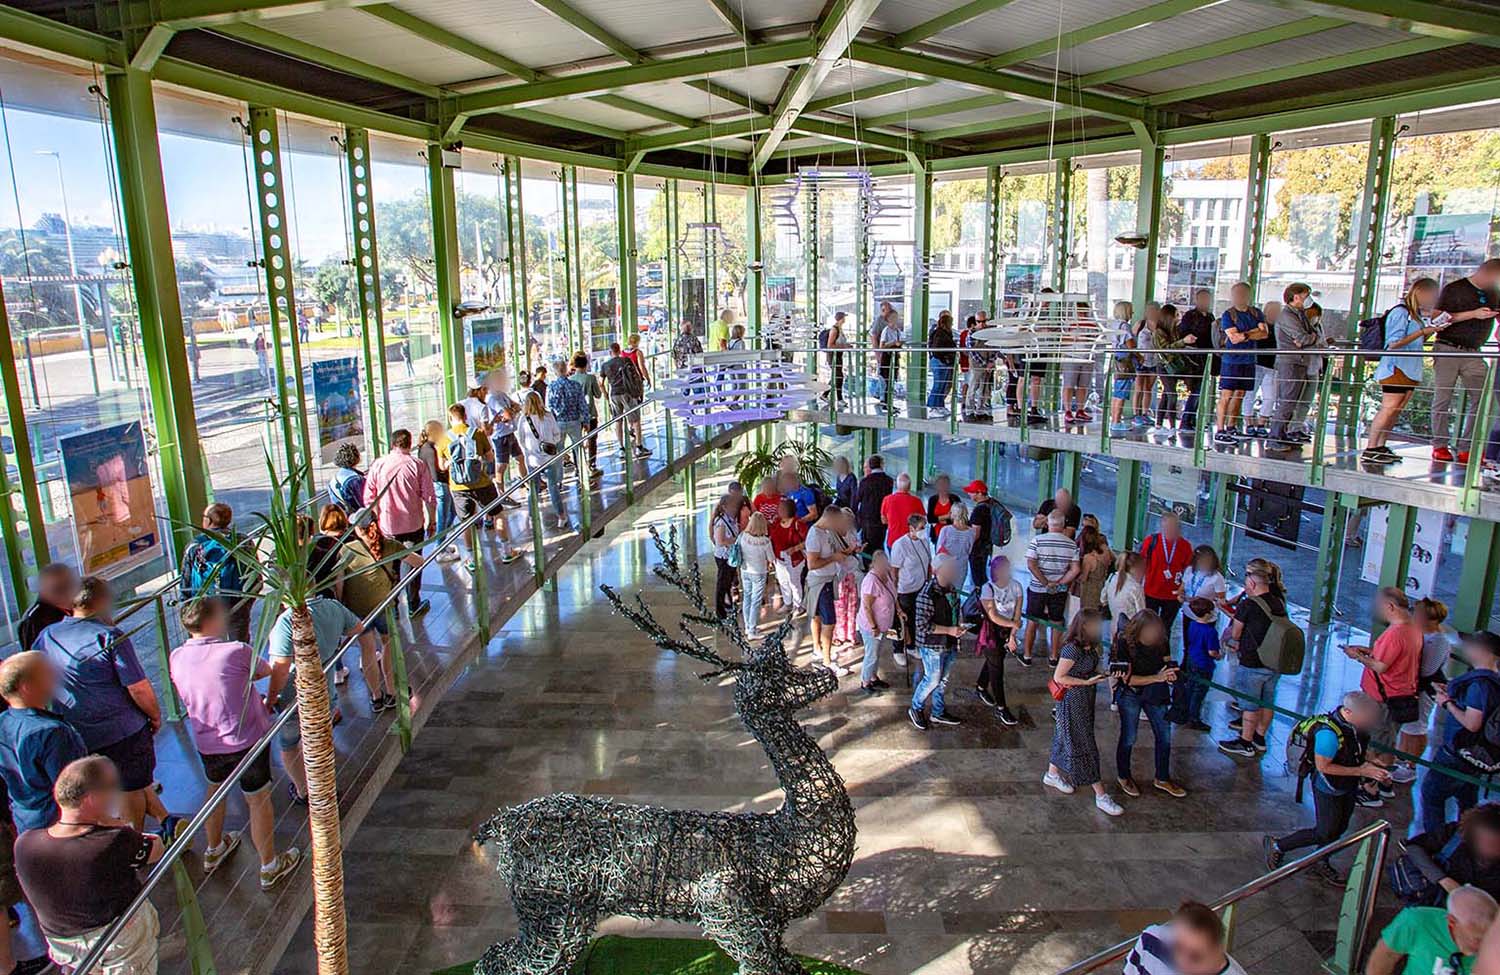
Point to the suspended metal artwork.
(732, 387)
(572, 860)
(701, 239)
(1051, 327)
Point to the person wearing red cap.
(992, 519)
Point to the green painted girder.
(443, 37)
(591, 28)
(834, 32)
(723, 93)
(953, 18)
(151, 46)
(731, 17)
(35, 30)
(562, 121)
(610, 80)
(1455, 20)
(857, 135)
(323, 57)
(1336, 62)
(667, 140)
(864, 94)
(646, 109)
(1001, 125)
(1024, 88)
(1092, 32)
(184, 14)
(937, 111)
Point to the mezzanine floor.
(964, 862)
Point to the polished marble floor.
(965, 863)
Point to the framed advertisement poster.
(336, 394)
(109, 490)
(1188, 269)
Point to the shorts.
(134, 758)
(623, 404)
(1253, 684)
(1237, 377)
(1389, 730)
(255, 778)
(471, 502)
(825, 607)
(506, 447)
(1425, 706)
(1076, 374)
(1046, 607)
(1123, 387)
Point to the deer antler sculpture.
(572, 860)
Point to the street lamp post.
(83, 325)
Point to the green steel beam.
(213, 13)
(1257, 190)
(646, 109)
(323, 57)
(735, 128)
(1001, 125)
(590, 28)
(576, 125)
(281, 299)
(153, 272)
(34, 30)
(563, 157)
(1037, 153)
(937, 111)
(735, 98)
(1455, 20)
(732, 18)
(1334, 63)
(832, 36)
(1196, 53)
(840, 132)
(607, 80)
(864, 94)
(397, 17)
(987, 79)
(29, 516)
(1374, 204)
(367, 282)
(953, 18)
(443, 200)
(1133, 20)
(151, 46)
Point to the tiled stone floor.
(964, 863)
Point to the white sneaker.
(449, 555)
(212, 858)
(1107, 805)
(1057, 783)
(1403, 774)
(272, 873)
(841, 670)
(900, 658)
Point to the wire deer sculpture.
(572, 860)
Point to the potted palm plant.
(813, 464)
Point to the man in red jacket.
(1168, 556)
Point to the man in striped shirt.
(1052, 558)
(1191, 943)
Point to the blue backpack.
(464, 463)
(347, 489)
(209, 568)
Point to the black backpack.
(1002, 524)
(1372, 333)
(1481, 748)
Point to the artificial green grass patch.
(616, 955)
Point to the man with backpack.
(468, 452)
(1269, 644)
(209, 568)
(1467, 732)
(995, 525)
(347, 487)
(1336, 759)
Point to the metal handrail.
(181, 840)
(1379, 831)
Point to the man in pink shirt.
(399, 488)
(1391, 670)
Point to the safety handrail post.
(164, 654)
(1207, 401)
(397, 662)
(1479, 438)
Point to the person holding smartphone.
(1472, 303)
(1407, 324)
(1074, 759)
(1145, 687)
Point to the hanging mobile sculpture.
(730, 387)
(1051, 327)
(573, 860)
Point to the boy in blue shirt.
(1201, 657)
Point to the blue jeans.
(444, 508)
(754, 593)
(1188, 694)
(553, 476)
(870, 667)
(942, 381)
(1131, 707)
(1437, 789)
(936, 662)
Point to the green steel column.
(1330, 554)
(917, 321)
(1129, 509)
(1475, 607)
(1061, 226)
(153, 272)
(755, 283)
(1148, 222)
(1046, 477)
(670, 274)
(810, 254)
(276, 262)
(29, 517)
(1069, 470)
(1221, 513)
(992, 296)
(1257, 186)
(1369, 238)
(1400, 531)
(572, 256)
(367, 282)
(442, 198)
(625, 225)
(515, 248)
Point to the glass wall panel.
(783, 219)
(599, 252)
(892, 270)
(696, 256)
(1105, 191)
(959, 215)
(1024, 199)
(651, 263)
(1310, 222)
(546, 259)
(1202, 225)
(72, 316)
(729, 210)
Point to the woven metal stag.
(572, 860)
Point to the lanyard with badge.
(1170, 553)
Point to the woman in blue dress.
(1399, 375)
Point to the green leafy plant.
(813, 464)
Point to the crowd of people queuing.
(77, 745)
(1264, 365)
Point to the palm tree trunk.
(314, 716)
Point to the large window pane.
(599, 254)
(1104, 206)
(1202, 224)
(1024, 200)
(959, 213)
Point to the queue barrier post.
(397, 653)
(481, 595)
(1206, 404)
(163, 653)
(538, 550)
